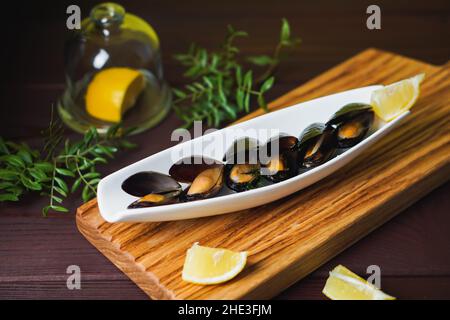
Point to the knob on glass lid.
(113, 73)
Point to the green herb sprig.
(61, 163)
(220, 87)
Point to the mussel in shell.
(154, 199)
(243, 150)
(153, 189)
(187, 169)
(205, 176)
(242, 169)
(242, 177)
(281, 164)
(317, 144)
(352, 123)
(206, 185)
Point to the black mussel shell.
(149, 182)
(242, 177)
(281, 167)
(243, 150)
(283, 164)
(310, 132)
(206, 185)
(317, 147)
(353, 130)
(187, 169)
(152, 200)
(284, 142)
(349, 111)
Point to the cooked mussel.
(317, 144)
(153, 188)
(242, 169)
(206, 185)
(352, 123)
(187, 169)
(205, 176)
(154, 199)
(243, 150)
(242, 177)
(281, 163)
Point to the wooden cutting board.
(290, 238)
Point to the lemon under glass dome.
(113, 73)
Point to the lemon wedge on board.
(342, 284)
(204, 265)
(392, 100)
(112, 92)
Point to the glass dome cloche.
(113, 73)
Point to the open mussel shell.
(204, 174)
(242, 168)
(353, 131)
(152, 188)
(282, 158)
(317, 144)
(310, 132)
(154, 199)
(348, 111)
(243, 150)
(206, 185)
(352, 122)
(187, 169)
(280, 144)
(242, 177)
(281, 167)
(149, 182)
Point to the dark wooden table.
(413, 250)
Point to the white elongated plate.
(113, 201)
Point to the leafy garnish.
(62, 167)
(220, 87)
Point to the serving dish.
(113, 201)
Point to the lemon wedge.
(204, 265)
(394, 99)
(342, 284)
(112, 92)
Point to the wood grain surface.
(290, 238)
(413, 249)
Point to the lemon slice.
(112, 92)
(342, 284)
(205, 265)
(392, 100)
